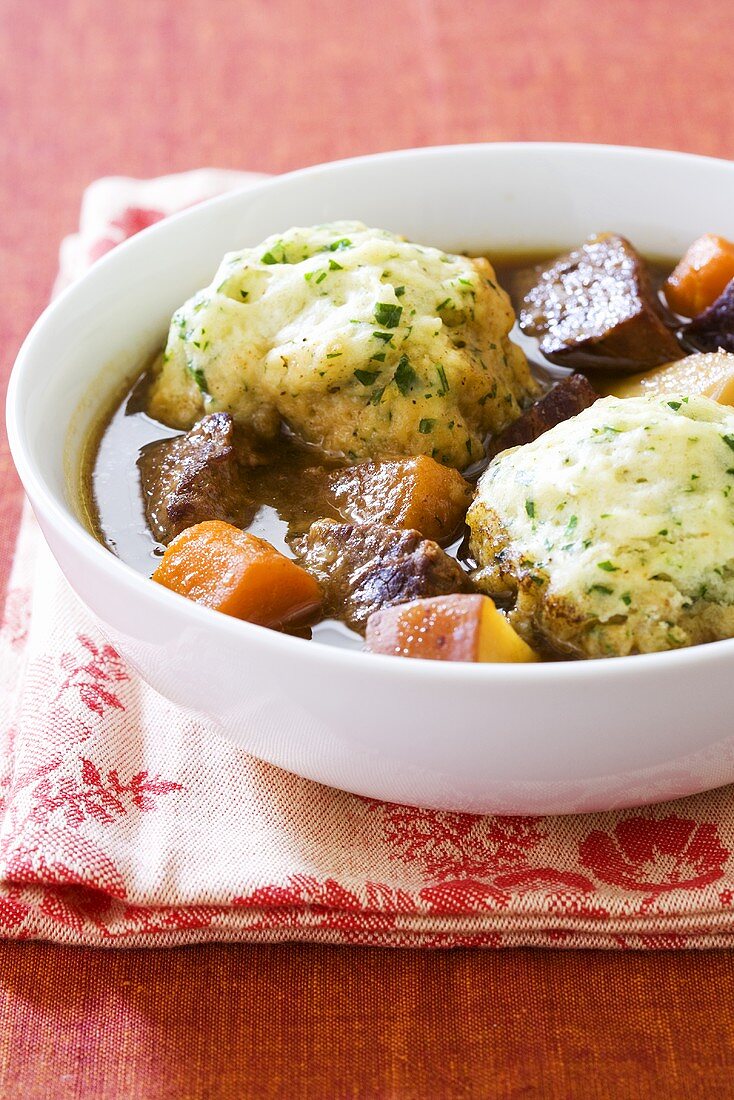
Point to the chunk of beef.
(414, 493)
(595, 309)
(364, 567)
(566, 399)
(713, 330)
(195, 477)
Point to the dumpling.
(614, 531)
(362, 343)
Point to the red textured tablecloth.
(88, 89)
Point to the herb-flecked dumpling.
(362, 343)
(614, 531)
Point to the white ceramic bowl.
(523, 739)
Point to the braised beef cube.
(566, 399)
(595, 309)
(364, 567)
(195, 477)
(713, 330)
(519, 281)
(414, 493)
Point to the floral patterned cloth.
(127, 822)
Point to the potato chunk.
(706, 374)
(447, 628)
(415, 493)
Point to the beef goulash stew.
(373, 443)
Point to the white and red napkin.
(124, 821)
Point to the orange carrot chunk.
(229, 570)
(701, 275)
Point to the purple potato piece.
(713, 330)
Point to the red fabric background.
(149, 86)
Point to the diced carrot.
(701, 275)
(229, 570)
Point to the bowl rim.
(412, 671)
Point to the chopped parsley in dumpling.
(362, 343)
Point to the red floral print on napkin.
(449, 844)
(655, 855)
(92, 677)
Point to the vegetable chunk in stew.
(701, 276)
(404, 492)
(447, 628)
(231, 571)
(713, 330)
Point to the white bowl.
(511, 739)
